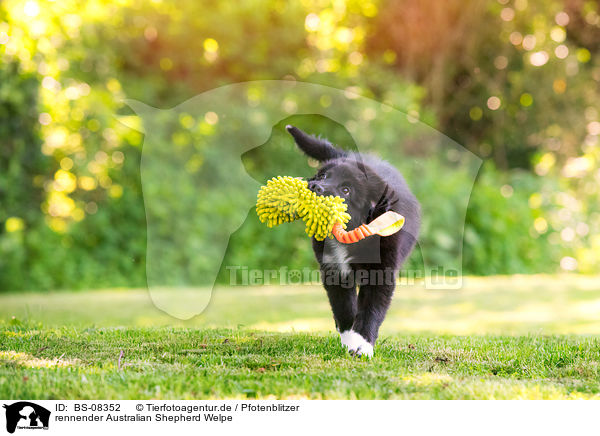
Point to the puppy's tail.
(317, 148)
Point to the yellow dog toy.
(286, 199)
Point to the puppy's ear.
(317, 148)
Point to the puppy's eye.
(322, 176)
(346, 190)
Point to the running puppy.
(370, 187)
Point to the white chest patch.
(335, 253)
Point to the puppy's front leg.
(343, 305)
(373, 303)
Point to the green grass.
(503, 337)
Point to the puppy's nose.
(316, 188)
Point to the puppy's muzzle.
(316, 188)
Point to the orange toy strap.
(352, 236)
(384, 225)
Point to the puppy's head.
(342, 174)
(349, 180)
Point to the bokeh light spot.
(493, 103)
(14, 224)
(561, 51)
(529, 42)
(562, 18)
(475, 113)
(507, 14)
(31, 9)
(568, 263)
(583, 55)
(311, 23)
(539, 58)
(507, 191)
(526, 99)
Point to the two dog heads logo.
(26, 415)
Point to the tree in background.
(514, 81)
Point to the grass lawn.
(502, 337)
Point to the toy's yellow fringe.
(286, 199)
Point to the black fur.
(370, 187)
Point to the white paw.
(356, 344)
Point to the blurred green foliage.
(513, 81)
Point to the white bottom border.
(266, 417)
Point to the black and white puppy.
(370, 187)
